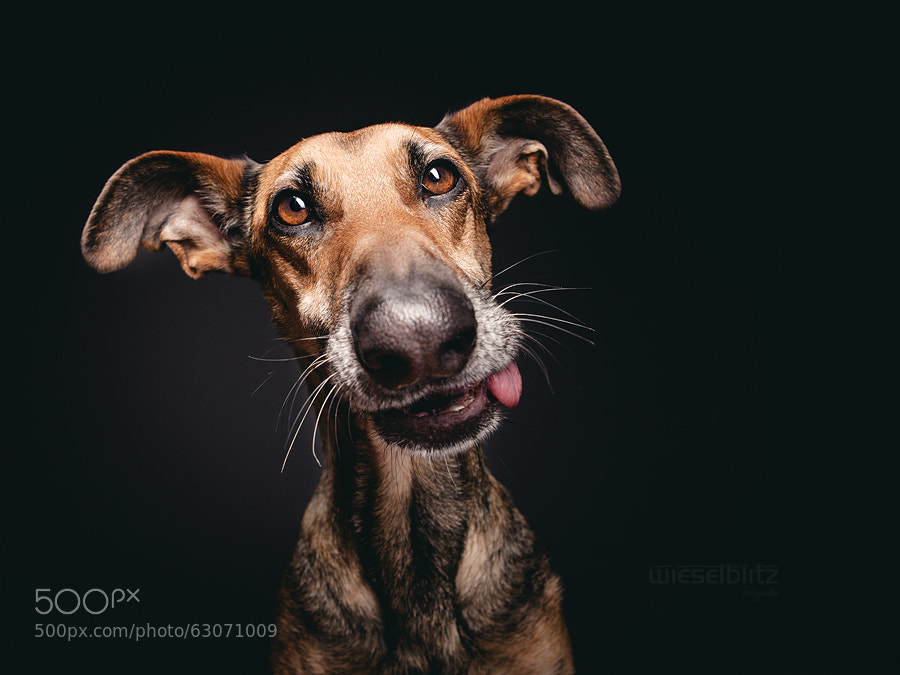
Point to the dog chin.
(445, 445)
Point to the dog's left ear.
(516, 143)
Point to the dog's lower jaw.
(410, 564)
(396, 430)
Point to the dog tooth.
(456, 408)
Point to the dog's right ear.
(518, 143)
(192, 202)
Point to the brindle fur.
(411, 557)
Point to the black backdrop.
(682, 441)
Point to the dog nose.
(406, 336)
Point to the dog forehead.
(367, 152)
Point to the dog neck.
(421, 535)
(407, 516)
(423, 558)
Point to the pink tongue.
(506, 386)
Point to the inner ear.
(519, 166)
(196, 239)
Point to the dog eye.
(291, 209)
(439, 178)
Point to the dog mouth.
(442, 407)
(451, 417)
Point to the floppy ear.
(192, 202)
(516, 143)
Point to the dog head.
(372, 250)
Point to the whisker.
(531, 335)
(516, 264)
(449, 472)
(538, 361)
(557, 308)
(298, 385)
(349, 420)
(307, 406)
(306, 339)
(286, 359)
(263, 383)
(332, 392)
(271, 373)
(337, 413)
(531, 297)
(310, 397)
(540, 287)
(577, 324)
(538, 319)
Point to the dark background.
(697, 430)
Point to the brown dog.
(372, 250)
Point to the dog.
(372, 251)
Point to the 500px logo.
(93, 601)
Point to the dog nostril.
(390, 369)
(378, 360)
(454, 353)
